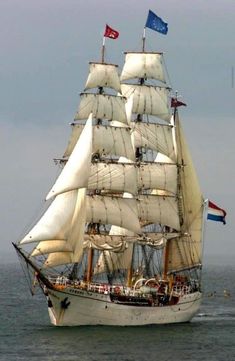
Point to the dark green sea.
(26, 334)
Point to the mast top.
(143, 39)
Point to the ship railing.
(98, 287)
(106, 288)
(59, 280)
(179, 290)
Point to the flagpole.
(204, 224)
(144, 39)
(175, 108)
(103, 48)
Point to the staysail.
(75, 174)
(186, 251)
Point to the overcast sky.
(45, 49)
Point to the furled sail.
(143, 65)
(111, 260)
(103, 75)
(75, 174)
(151, 100)
(105, 242)
(157, 240)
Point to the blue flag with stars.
(155, 23)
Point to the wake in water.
(226, 314)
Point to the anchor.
(65, 303)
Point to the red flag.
(176, 103)
(111, 33)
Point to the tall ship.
(121, 240)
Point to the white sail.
(143, 65)
(46, 247)
(113, 210)
(103, 75)
(119, 177)
(107, 140)
(161, 158)
(159, 209)
(75, 236)
(129, 107)
(60, 230)
(120, 231)
(153, 136)
(75, 173)
(102, 106)
(56, 221)
(186, 251)
(158, 176)
(151, 100)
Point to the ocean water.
(26, 334)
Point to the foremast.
(87, 198)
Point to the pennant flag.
(111, 33)
(215, 213)
(175, 103)
(155, 23)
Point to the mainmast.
(89, 265)
(151, 100)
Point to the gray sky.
(45, 49)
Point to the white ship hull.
(88, 308)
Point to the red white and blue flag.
(215, 213)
